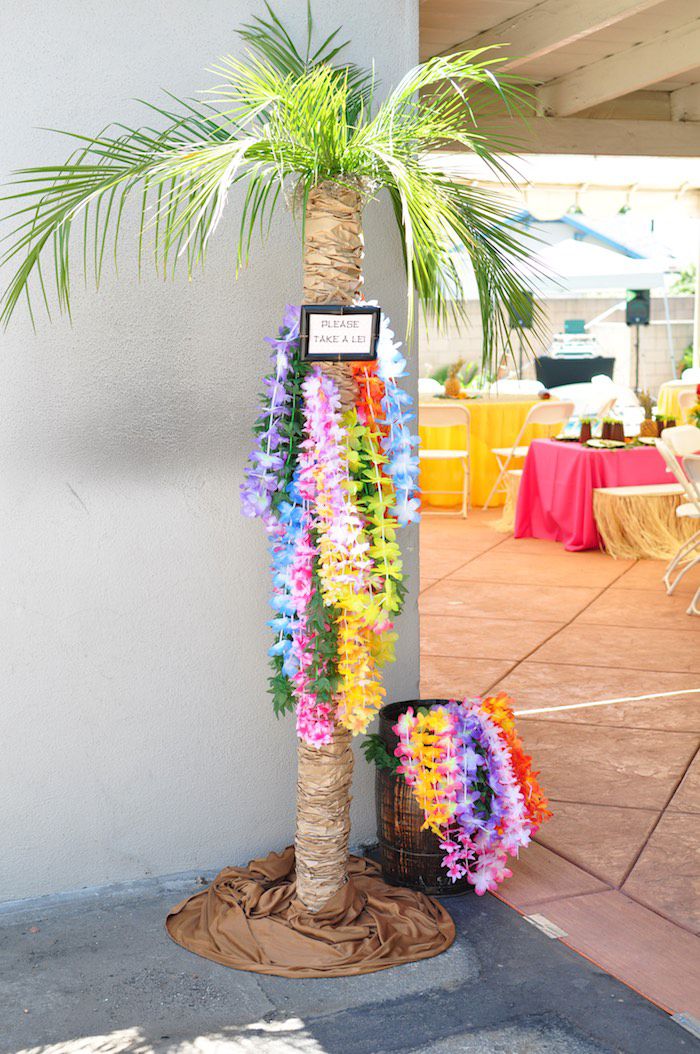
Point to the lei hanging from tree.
(331, 489)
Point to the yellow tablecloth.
(668, 400)
(493, 423)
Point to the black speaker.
(638, 307)
(520, 315)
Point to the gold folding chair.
(432, 415)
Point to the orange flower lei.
(500, 710)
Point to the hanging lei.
(475, 784)
(398, 444)
(331, 490)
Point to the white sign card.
(343, 333)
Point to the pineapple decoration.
(648, 426)
(453, 385)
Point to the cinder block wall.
(614, 336)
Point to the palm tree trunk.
(333, 252)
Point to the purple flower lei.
(262, 475)
(398, 445)
(298, 486)
(478, 839)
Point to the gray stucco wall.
(135, 731)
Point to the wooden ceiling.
(633, 65)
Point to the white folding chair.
(589, 399)
(691, 375)
(606, 408)
(686, 402)
(443, 417)
(682, 439)
(428, 386)
(688, 509)
(691, 464)
(548, 412)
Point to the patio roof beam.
(685, 103)
(552, 24)
(658, 59)
(590, 135)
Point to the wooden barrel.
(409, 856)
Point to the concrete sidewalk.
(96, 974)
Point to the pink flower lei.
(460, 767)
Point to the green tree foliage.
(279, 121)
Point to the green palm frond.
(282, 118)
(269, 40)
(180, 181)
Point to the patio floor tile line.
(658, 821)
(561, 618)
(504, 618)
(490, 577)
(562, 626)
(630, 569)
(469, 560)
(475, 622)
(577, 863)
(541, 902)
(691, 689)
(498, 680)
(474, 556)
(656, 910)
(525, 658)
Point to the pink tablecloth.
(555, 500)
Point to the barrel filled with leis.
(457, 795)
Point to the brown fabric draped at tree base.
(250, 919)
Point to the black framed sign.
(339, 332)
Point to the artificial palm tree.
(305, 127)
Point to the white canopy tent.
(564, 262)
(665, 189)
(599, 186)
(572, 266)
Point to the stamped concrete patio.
(617, 869)
(610, 878)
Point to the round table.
(493, 423)
(555, 500)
